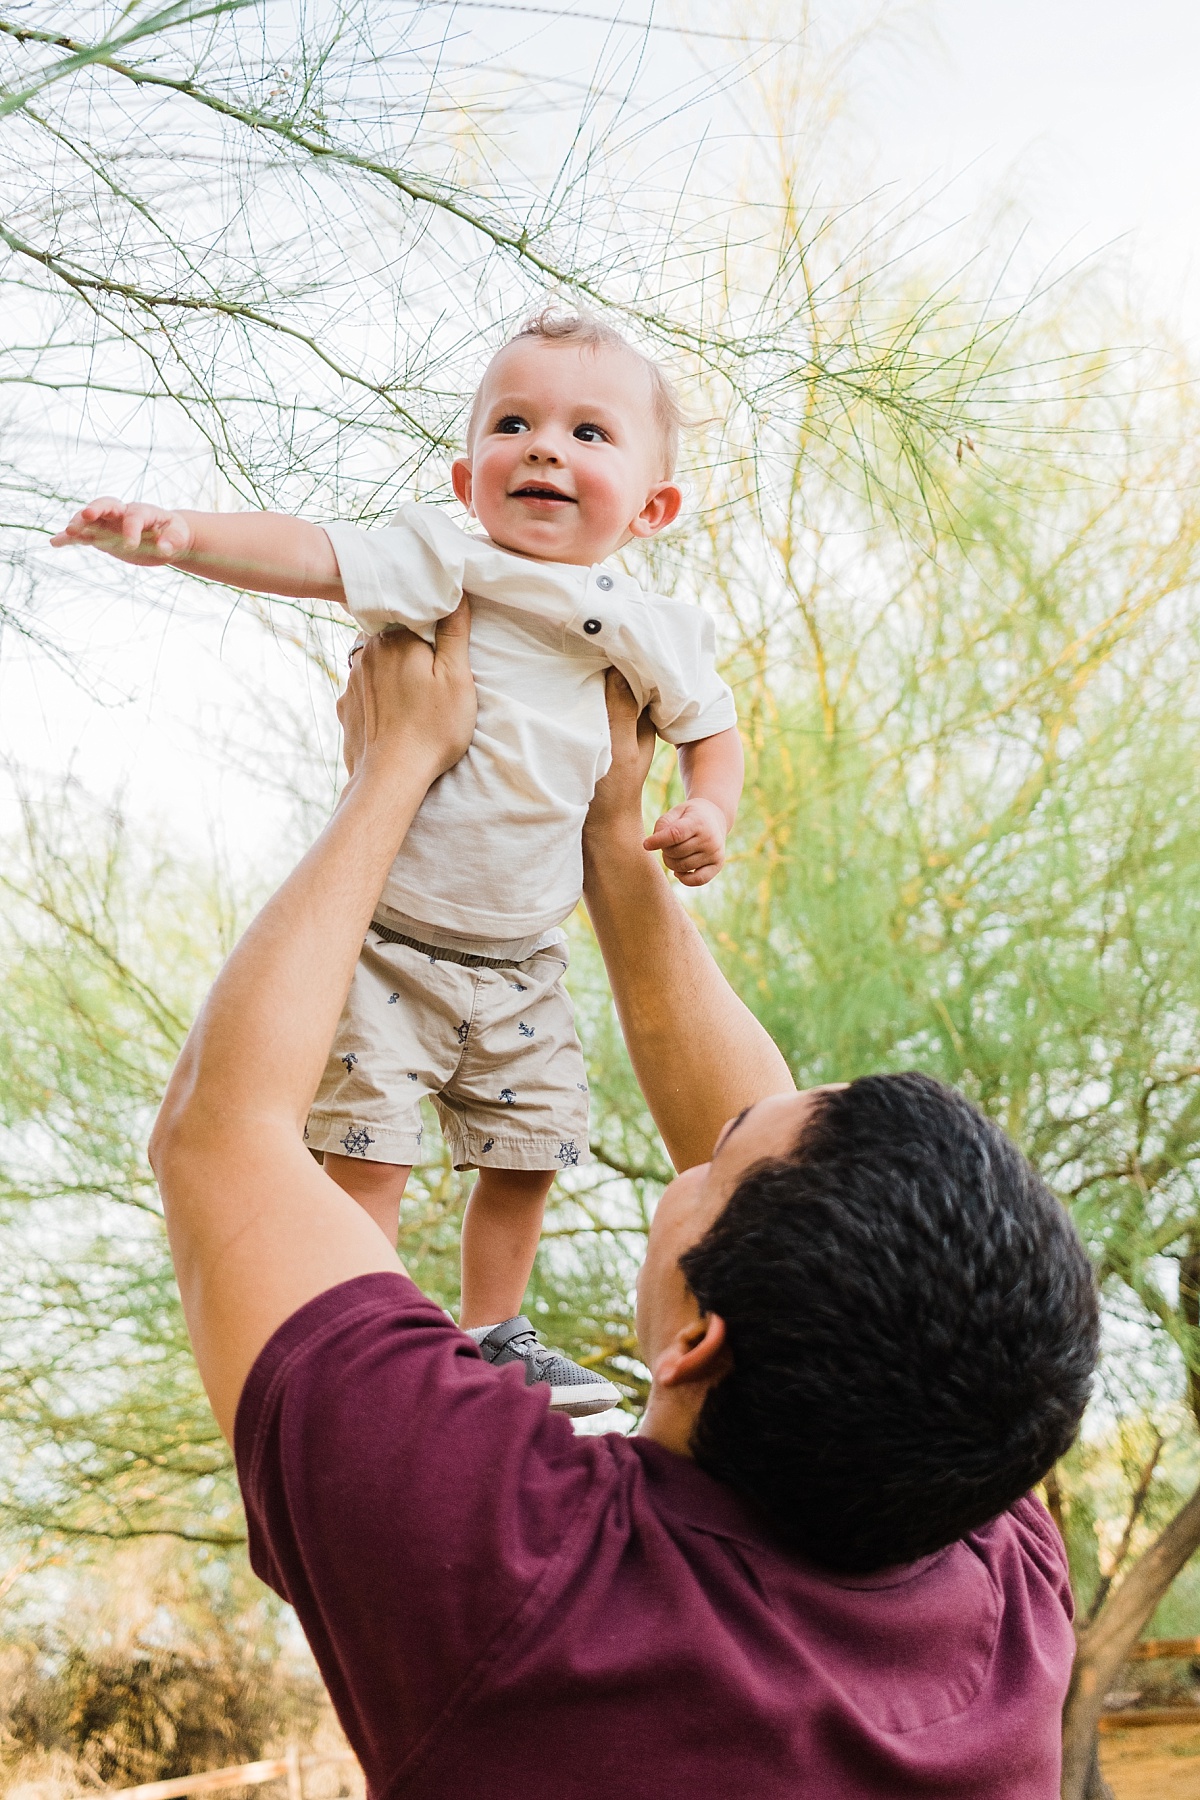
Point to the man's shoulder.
(374, 1364)
(1022, 1542)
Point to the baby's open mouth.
(535, 491)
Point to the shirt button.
(591, 626)
(604, 583)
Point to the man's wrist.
(615, 841)
(400, 768)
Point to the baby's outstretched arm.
(692, 836)
(267, 552)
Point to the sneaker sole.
(581, 1402)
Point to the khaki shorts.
(494, 1048)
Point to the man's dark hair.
(912, 1322)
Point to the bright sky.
(1080, 114)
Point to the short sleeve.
(399, 575)
(667, 652)
(405, 1498)
(1042, 1543)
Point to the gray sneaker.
(572, 1389)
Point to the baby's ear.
(460, 477)
(661, 509)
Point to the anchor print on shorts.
(488, 1144)
(526, 1031)
(357, 1141)
(508, 1097)
(460, 1031)
(392, 999)
(568, 1154)
(349, 1059)
(519, 986)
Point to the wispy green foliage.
(106, 1430)
(261, 251)
(273, 242)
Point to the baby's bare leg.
(378, 1187)
(500, 1232)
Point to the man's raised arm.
(256, 1227)
(699, 1054)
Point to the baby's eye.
(510, 425)
(591, 434)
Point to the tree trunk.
(1189, 1306)
(1104, 1646)
(1097, 1788)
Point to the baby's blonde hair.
(553, 325)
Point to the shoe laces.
(530, 1351)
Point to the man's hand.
(617, 802)
(257, 1229)
(692, 840)
(409, 703)
(146, 535)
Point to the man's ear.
(661, 509)
(460, 477)
(699, 1352)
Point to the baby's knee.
(362, 1178)
(514, 1187)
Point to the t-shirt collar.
(683, 1491)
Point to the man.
(870, 1329)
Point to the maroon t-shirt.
(505, 1611)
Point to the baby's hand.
(692, 840)
(132, 533)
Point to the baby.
(459, 990)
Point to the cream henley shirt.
(495, 852)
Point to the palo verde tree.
(954, 577)
(276, 239)
(972, 847)
(256, 251)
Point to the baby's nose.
(541, 454)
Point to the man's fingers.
(631, 733)
(453, 634)
(399, 688)
(452, 665)
(350, 715)
(619, 698)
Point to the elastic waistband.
(436, 953)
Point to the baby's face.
(565, 461)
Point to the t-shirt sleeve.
(398, 575)
(669, 658)
(1042, 1544)
(405, 1498)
